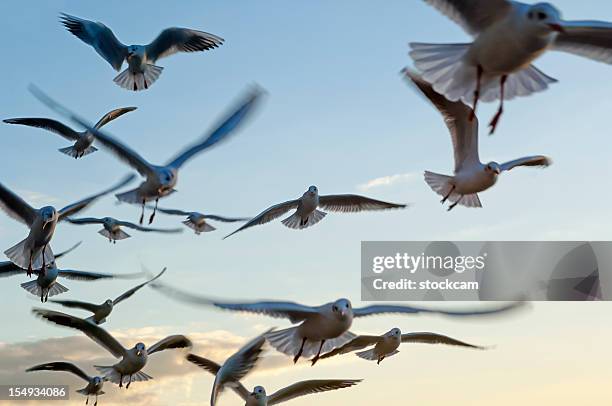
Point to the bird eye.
(335, 308)
(530, 15)
(541, 16)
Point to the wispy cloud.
(388, 181)
(37, 198)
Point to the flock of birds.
(497, 65)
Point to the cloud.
(36, 198)
(388, 181)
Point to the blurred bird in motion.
(112, 227)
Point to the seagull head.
(134, 50)
(109, 302)
(48, 214)
(140, 349)
(97, 380)
(493, 168)
(312, 191)
(342, 309)
(394, 332)
(259, 393)
(167, 177)
(545, 17)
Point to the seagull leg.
(495, 121)
(154, 211)
(129, 382)
(479, 71)
(30, 265)
(380, 360)
(120, 381)
(142, 213)
(87, 400)
(447, 195)
(299, 353)
(44, 264)
(452, 206)
(316, 358)
(96, 403)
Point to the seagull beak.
(497, 171)
(139, 353)
(557, 27)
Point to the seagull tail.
(117, 235)
(138, 81)
(296, 221)
(34, 288)
(289, 341)
(441, 184)
(371, 355)
(19, 254)
(199, 229)
(131, 196)
(74, 153)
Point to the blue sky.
(337, 115)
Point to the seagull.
(306, 213)
(103, 310)
(508, 37)
(132, 360)
(197, 221)
(159, 180)
(94, 383)
(34, 251)
(387, 344)
(141, 71)
(322, 328)
(259, 397)
(470, 176)
(83, 140)
(235, 367)
(112, 227)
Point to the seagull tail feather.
(74, 153)
(296, 221)
(138, 81)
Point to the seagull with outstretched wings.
(198, 221)
(112, 227)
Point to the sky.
(338, 115)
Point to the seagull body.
(387, 344)
(198, 221)
(112, 227)
(103, 310)
(508, 37)
(320, 329)
(83, 140)
(306, 209)
(160, 180)
(34, 251)
(141, 71)
(470, 176)
(94, 383)
(132, 360)
(235, 367)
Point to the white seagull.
(159, 179)
(103, 310)
(34, 251)
(94, 383)
(197, 221)
(141, 71)
(508, 37)
(470, 176)
(83, 140)
(306, 213)
(112, 227)
(321, 328)
(235, 367)
(132, 360)
(259, 397)
(387, 344)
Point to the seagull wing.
(268, 215)
(538, 160)
(61, 254)
(61, 366)
(82, 204)
(403, 309)
(354, 203)
(590, 39)
(355, 344)
(464, 132)
(130, 292)
(84, 220)
(149, 229)
(93, 276)
(473, 16)
(75, 304)
(242, 362)
(99, 36)
(170, 342)
(225, 219)
(433, 338)
(286, 310)
(227, 127)
(16, 207)
(91, 330)
(309, 387)
(173, 40)
(7, 268)
(111, 115)
(174, 212)
(46, 124)
(213, 368)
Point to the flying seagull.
(470, 176)
(235, 367)
(132, 360)
(321, 328)
(259, 397)
(112, 227)
(159, 180)
(306, 213)
(83, 140)
(197, 221)
(141, 71)
(34, 251)
(103, 310)
(94, 383)
(387, 344)
(508, 37)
